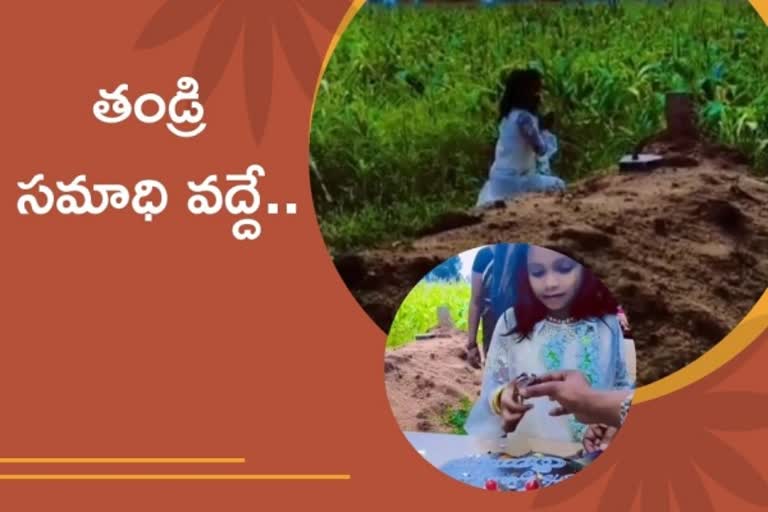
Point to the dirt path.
(682, 248)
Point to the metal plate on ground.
(640, 162)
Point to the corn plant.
(405, 120)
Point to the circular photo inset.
(510, 367)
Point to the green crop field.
(405, 119)
(418, 313)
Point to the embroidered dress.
(521, 162)
(595, 347)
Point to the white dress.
(595, 347)
(517, 169)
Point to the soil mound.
(427, 377)
(682, 248)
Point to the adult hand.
(569, 389)
(575, 396)
(473, 356)
(512, 411)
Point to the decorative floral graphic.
(668, 443)
(256, 21)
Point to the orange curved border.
(356, 5)
(761, 6)
(746, 332)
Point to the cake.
(514, 473)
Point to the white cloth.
(513, 153)
(503, 188)
(517, 169)
(543, 162)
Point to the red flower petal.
(258, 57)
(218, 45)
(328, 15)
(301, 53)
(622, 488)
(730, 469)
(654, 493)
(733, 410)
(173, 19)
(687, 487)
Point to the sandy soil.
(426, 377)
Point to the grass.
(418, 312)
(405, 119)
(456, 417)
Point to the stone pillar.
(681, 116)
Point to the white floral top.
(595, 347)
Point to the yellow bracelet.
(496, 400)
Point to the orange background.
(122, 338)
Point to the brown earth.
(427, 377)
(682, 248)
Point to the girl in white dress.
(523, 149)
(564, 319)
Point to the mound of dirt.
(427, 377)
(682, 249)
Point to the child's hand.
(598, 437)
(623, 321)
(512, 408)
(622, 317)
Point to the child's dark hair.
(519, 92)
(593, 299)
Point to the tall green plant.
(405, 120)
